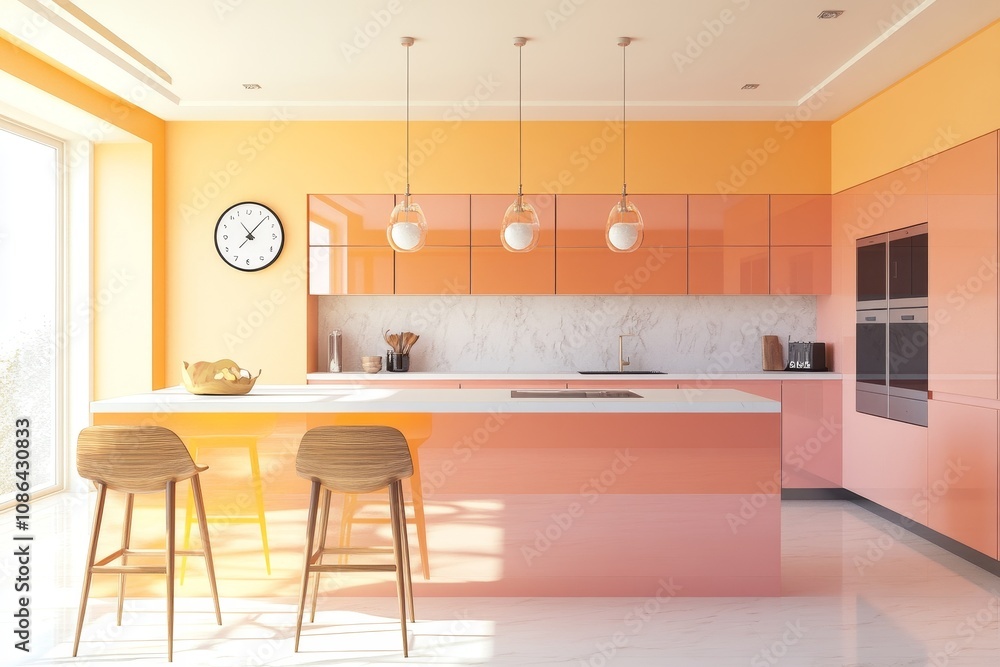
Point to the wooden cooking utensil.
(772, 353)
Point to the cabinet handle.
(907, 317)
(870, 319)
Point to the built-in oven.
(908, 267)
(871, 272)
(908, 365)
(872, 395)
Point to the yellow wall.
(949, 101)
(259, 319)
(122, 280)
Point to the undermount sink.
(622, 372)
(573, 393)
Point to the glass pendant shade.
(520, 229)
(407, 226)
(624, 230)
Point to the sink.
(622, 372)
(573, 393)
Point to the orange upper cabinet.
(648, 270)
(488, 210)
(728, 220)
(350, 270)
(728, 270)
(447, 218)
(804, 220)
(581, 219)
(495, 270)
(962, 275)
(801, 269)
(433, 270)
(356, 220)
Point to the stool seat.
(355, 460)
(136, 460)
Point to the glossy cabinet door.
(764, 388)
(355, 220)
(801, 269)
(488, 210)
(812, 428)
(350, 270)
(581, 220)
(801, 220)
(649, 270)
(962, 473)
(433, 270)
(728, 220)
(447, 218)
(498, 271)
(728, 270)
(962, 269)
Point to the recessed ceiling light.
(830, 13)
(750, 86)
(251, 86)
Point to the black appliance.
(891, 325)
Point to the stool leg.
(126, 540)
(171, 545)
(199, 503)
(405, 548)
(418, 516)
(346, 524)
(188, 517)
(310, 528)
(91, 558)
(259, 492)
(394, 511)
(323, 520)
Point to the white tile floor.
(857, 591)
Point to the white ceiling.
(305, 55)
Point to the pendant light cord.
(407, 200)
(624, 123)
(520, 132)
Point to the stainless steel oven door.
(872, 284)
(908, 339)
(908, 267)
(872, 377)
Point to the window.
(30, 307)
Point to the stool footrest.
(129, 569)
(352, 568)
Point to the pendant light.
(520, 229)
(624, 230)
(407, 228)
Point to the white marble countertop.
(416, 376)
(327, 399)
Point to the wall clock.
(249, 236)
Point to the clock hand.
(244, 242)
(249, 234)
(258, 225)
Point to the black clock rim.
(215, 239)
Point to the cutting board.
(772, 353)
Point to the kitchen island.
(526, 496)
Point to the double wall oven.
(892, 325)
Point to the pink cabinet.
(349, 220)
(728, 270)
(727, 220)
(801, 269)
(812, 427)
(648, 270)
(961, 494)
(801, 220)
(350, 270)
(433, 270)
(962, 274)
(581, 220)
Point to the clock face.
(249, 236)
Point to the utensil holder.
(397, 362)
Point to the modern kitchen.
(665, 338)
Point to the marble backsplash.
(548, 334)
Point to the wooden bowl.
(371, 364)
(212, 378)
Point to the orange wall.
(949, 101)
(259, 319)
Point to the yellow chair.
(139, 459)
(355, 459)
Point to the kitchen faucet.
(622, 361)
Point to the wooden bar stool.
(139, 459)
(355, 459)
